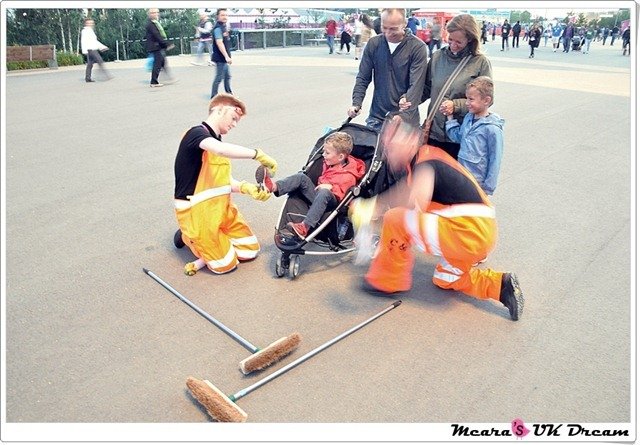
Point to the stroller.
(576, 43)
(334, 233)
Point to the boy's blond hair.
(341, 141)
(226, 99)
(484, 86)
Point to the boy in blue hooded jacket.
(480, 135)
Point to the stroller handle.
(349, 118)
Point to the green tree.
(582, 20)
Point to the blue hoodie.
(481, 145)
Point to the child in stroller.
(340, 172)
(333, 233)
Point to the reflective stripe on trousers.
(216, 232)
(460, 242)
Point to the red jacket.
(342, 176)
(330, 27)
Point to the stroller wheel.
(177, 239)
(294, 266)
(280, 269)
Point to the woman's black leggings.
(345, 39)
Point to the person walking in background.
(444, 33)
(547, 33)
(481, 134)
(377, 25)
(330, 30)
(614, 34)
(413, 24)
(534, 38)
(345, 36)
(221, 55)
(367, 33)
(588, 37)
(204, 34)
(567, 36)
(357, 35)
(91, 47)
(515, 42)
(436, 36)
(626, 41)
(396, 61)
(506, 28)
(426, 37)
(605, 34)
(464, 40)
(556, 34)
(483, 32)
(493, 32)
(157, 44)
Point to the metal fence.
(241, 39)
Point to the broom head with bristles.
(218, 405)
(271, 354)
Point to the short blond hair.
(483, 85)
(226, 99)
(341, 141)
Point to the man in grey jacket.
(397, 62)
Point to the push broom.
(260, 358)
(224, 409)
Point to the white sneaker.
(366, 244)
(156, 85)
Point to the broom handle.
(226, 330)
(308, 355)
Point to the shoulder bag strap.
(446, 86)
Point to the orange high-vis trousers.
(216, 232)
(463, 237)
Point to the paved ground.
(91, 339)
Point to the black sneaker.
(511, 295)
(177, 239)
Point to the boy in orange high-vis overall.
(210, 224)
(441, 209)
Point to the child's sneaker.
(511, 295)
(263, 179)
(299, 229)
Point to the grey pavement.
(90, 338)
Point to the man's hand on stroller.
(361, 212)
(267, 161)
(353, 112)
(254, 191)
